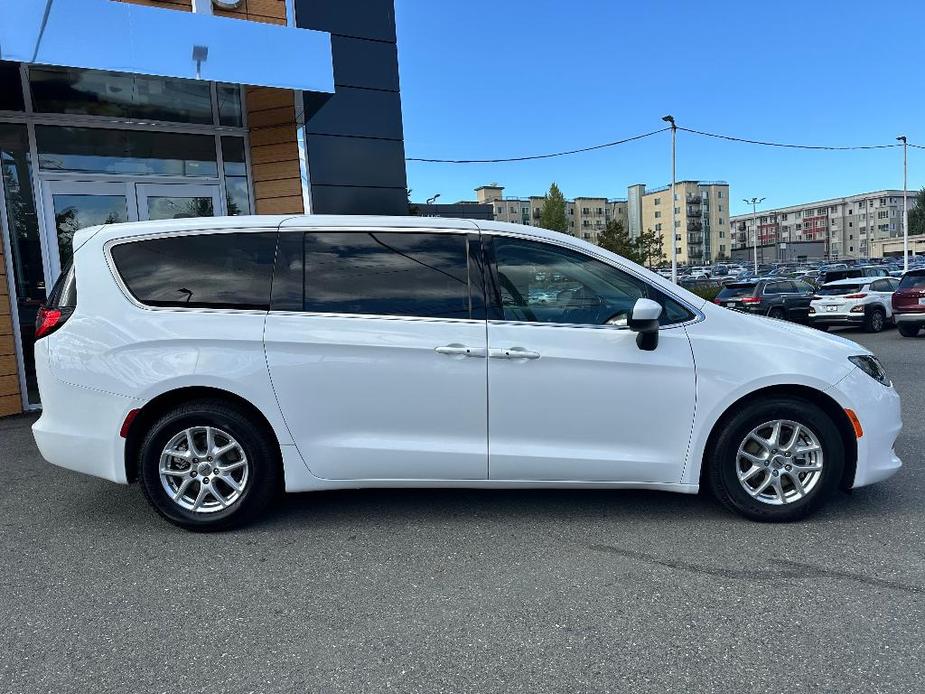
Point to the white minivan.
(217, 362)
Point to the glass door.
(73, 205)
(177, 200)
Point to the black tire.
(908, 329)
(875, 320)
(264, 468)
(777, 313)
(721, 473)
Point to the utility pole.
(754, 202)
(674, 215)
(902, 138)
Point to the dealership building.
(124, 110)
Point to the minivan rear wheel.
(206, 465)
(776, 460)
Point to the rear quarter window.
(227, 271)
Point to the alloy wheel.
(204, 469)
(779, 462)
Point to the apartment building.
(701, 209)
(838, 228)
(587, 216)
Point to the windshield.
(910, 281)
(734, 291)
(839, 290)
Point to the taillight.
(50, 319)
(750, 299)
(855, 296)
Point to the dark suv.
(777, 298)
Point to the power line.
(538, 156)
(839, 148)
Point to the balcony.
(694, 225)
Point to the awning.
(123, 37)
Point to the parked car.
(776, 298)
(833, 275)
(218, 361)
(909, 303)
(861, 301)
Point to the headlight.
(870, 365)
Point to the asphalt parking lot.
(465, 591)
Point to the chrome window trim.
(698, 314)
(376, 316)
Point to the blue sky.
(507, 78)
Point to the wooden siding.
(275, 169)
(10, 401)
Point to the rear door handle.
(513, 353)
(458, 350)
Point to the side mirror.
(644, 322)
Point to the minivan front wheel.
(207, 466)
(776, 460)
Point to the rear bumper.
(878, 410)
(909, 317)
(79, 427)
(836, 318)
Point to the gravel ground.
(465, 591)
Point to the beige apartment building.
(587, 216)
(855, 226)
(701, 231)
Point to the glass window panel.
(179, 207)
(119, 95)
(200, 270)
(10, 87)
(237, 192)
(229, 105)
(233, 156)
(23, 234)
(73, 212)
(387, 274)
(125, 152)
(543, 283)
(237, 196)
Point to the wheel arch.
(163, 402)
(826, 403)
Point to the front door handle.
(458, 350)
(513, 353)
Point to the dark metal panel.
(359, 112)
(359, 200)
(368, 19)
(362, 63)
(354, 161)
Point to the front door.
(376, 351)
(571, 395)
(73, 205)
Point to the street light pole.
(902, 138)
(674, 215)
(754, 203)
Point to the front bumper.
(878, 410)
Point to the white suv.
(219, 361)
(860, 301)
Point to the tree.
(552, 216)
(617, 240)
(650, 249)
(917, 215)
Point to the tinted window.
(387, 274)
(804, 287)
(880, 286)
(774, 288)
(912, 281)
(199, 270)
(542, 283)
(10, 87)
(734, 291)
(839, 290)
